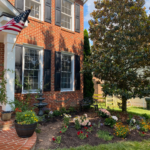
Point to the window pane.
(31, 72)
(66, 72)
(36, 7)
(66, 14)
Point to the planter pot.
(6, 115)
(25, 131)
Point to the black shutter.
(77, 17)
(19, 4)
(58, 12)
(57, 71)
(47, 70)
(77, 72)
(18, 68)
(48, 11)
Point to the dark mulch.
(70, 139)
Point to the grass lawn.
(133, 110)
(144, 145)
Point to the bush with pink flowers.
(83, 120)
(104, 113)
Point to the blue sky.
(89, 7)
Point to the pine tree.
(88, 83)
(121, 53)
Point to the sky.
(89, 7)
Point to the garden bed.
(70, 139)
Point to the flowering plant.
(115, 118)
(50, 114)
(57, 139)
(83, 120)
(77, 125)
(104, 113)
(18, 110)
(64, 129)
(90, 129)
(143, 125)
(81, 135)
(121, 130)
(142, 133)
(110, 122)
(27, 117)
(66, 119)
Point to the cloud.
(90, 7)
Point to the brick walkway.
(9, 140)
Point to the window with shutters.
(36, 10)
(67, 14)
(67, 72)
(32, 70)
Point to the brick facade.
(1, 57)
(55, 38)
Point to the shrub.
(66, 119)
(146, 116)
(56, 113)
(83, 120)
(63, 110)
(77, 125)
(121, 130)
(104, 113)
(143, 125)
(71, 109)
(104, 135)
(27, 117)
(110, 122)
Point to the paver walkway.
(9, 140)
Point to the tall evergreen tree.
(121, 54)
(88, 83)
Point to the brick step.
(5, 125)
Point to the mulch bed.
(70, 138)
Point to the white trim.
(9, 7)
(40, 49)
(72, 70)
(33, 46)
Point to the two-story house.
(49, 50)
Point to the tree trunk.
(124, 105)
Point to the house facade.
(48, 54)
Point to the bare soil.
(70, 138)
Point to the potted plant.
(25, 123)
(6, 115)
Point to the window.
(36, 7)
(67, 72)
(32, 70)
(66, 14)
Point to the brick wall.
(55, 38)
(1, 57)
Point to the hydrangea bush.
(104, 113)
(83, 120)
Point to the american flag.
(17, 23)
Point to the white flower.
(51, 112)
(85, 115)
(133, 120)
(115, 118)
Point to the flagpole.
(18, 35)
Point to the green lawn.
(144, 145)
